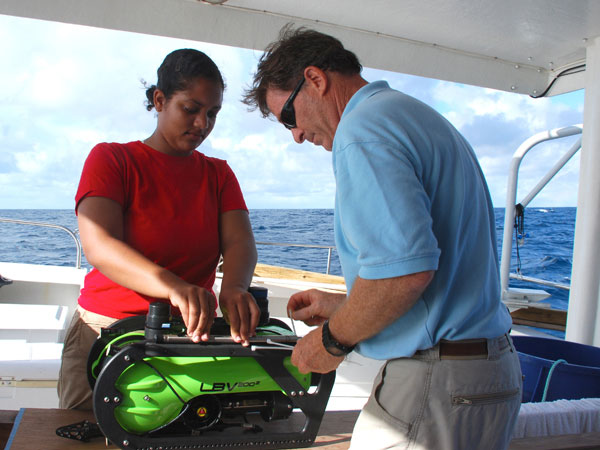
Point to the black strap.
(80, 431)
(4, 281)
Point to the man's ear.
(317, 78)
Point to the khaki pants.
(428, 402)
(74, 391)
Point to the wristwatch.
(332, 346)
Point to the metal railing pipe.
(516, 276)
(511, 194)
(49, 225)
(555, 169)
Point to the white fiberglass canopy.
(511, 45)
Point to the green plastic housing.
(148, 402)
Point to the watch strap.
(332, 346)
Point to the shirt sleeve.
(102, 176)
(384, 211)
(231, 194)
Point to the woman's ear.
(159, 100)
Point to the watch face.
(333, 350)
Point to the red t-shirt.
(171, 208)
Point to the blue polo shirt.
(411, 197)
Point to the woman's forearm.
(128, 267)
(238, 249)
(239, 263)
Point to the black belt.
(471, 348)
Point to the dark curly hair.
(284, 60)
(178, 69)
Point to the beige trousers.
(433, 403)
(74, 391)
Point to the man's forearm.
(374, 304)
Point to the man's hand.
(197, 306)
(241, 313)
(313, 307)
(309, 355)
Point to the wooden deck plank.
(552, 319)
(267, 271)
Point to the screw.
(301, 393)
(147, 398)
(125, 443)
(106, 399)
(293, 393)
(117, 399)
(127, 358)
(512, 88)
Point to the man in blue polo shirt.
(415, 233)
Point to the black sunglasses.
(288, 115)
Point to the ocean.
(546, 251)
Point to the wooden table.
(35, 429)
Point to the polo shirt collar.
(363, 93)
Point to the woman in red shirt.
(154, 218)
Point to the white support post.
(583, 319)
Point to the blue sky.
(67, 87)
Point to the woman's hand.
(241, 313)
(197, 306)
(313, 307)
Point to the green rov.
(153, 388)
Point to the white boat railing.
(541, 282)
(511, 198)
(49, 225)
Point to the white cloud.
(50, 82)
(31, 162)
(496, 123)
(275, 173)
(68, 87)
